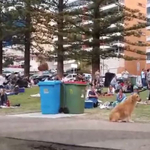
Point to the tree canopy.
(98, 30)
(87, 31)
(84, 30)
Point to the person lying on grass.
(119, 98)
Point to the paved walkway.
(124, 136)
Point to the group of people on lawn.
(114, 87)
(120, 97)
(11, 84)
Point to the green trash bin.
(73, 97)
(133, 80)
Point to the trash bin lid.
(49, 83)
(76, 82)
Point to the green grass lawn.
(30, 104)
(141, 112)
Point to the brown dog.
(123, 111)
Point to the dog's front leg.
(129, 119)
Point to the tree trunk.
(27, 54)
(60, 52)
(95, 65)
(1, 57)
(96, 43)
(27, 40)
(60, 66)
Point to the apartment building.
(116, 65)
(136, 66)
(148, 35)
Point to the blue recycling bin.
(50, 96)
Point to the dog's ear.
(132, 98)
(135, 97)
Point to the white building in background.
(17, 51)
(14, 51)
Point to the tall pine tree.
(7, 26)
(92, 27)
(26, 19)
(64, 22)
(57, 31)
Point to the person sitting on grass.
(96, 84)
(111, 91)
(125, 86)
(130, 87)
(135, 90)
(3, 97)
(118, 87)
(114, 82)
(120, 98)
(92, 95)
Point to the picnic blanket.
(35, 95)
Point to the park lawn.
(141, 113)
(28, 103)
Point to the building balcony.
(148, 38)
(110, 36)
(86, 22)
(77, 3)
(148, 3)
(113, 5)
(148, 61)
(118, 44)
(67, 62)
(114, 25)
(148, 50)
(148, 15)
(113, 45)
(148, 28)
(148, 56)
(90, 48)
